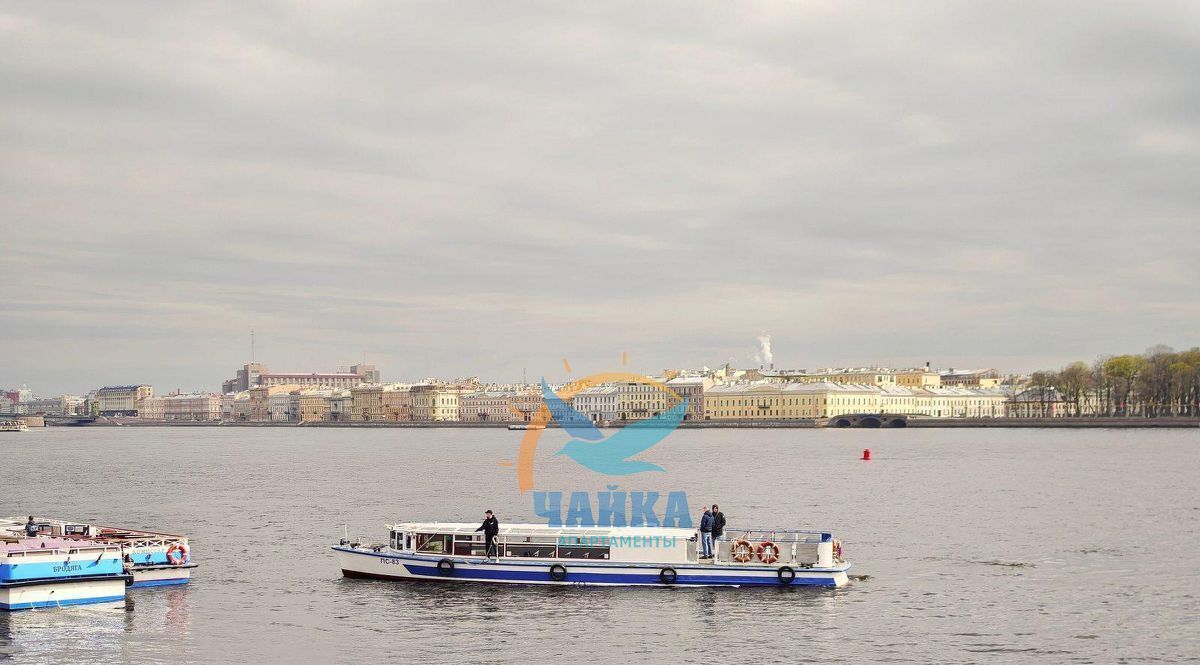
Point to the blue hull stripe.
(79, 566)
(149, 583)
(60, 603)
(684, 578)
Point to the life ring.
(667, 576)
(177, 554)
(786, 575)
(768, 552)
(742, 551)
(558, 572)
(837, 550)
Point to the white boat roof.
(462, 528)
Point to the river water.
(973, 546)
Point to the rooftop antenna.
(252, 345)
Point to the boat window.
(436, 543)
(529, 551)
(582, 552)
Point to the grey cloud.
(465, 188)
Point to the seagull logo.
(611, 456)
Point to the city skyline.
(562, 371)
(464, 191)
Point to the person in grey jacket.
(706, 527)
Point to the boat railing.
(793, 547)
(777, 535)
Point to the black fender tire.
(668, 576)
(129, 580)
(445, 567)
(558, 572)
(786, 575)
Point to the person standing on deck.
(490, 527)
(31, 529)
(706, 526)
(718, 527)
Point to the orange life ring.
(742, 550)
(177, 554)
(837, 549)
(768, 552)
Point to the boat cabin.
(801, 549)
(537, 541)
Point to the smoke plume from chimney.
(764, 355)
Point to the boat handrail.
(774, 535)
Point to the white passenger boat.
(56, 572)
(153, 559)
(13, 426)
(526, 426)
(641, 556)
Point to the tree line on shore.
(1160, 382)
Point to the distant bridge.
(871, 420)
(41, 419)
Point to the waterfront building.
(245, 378)
(952, 402)
(341, 406)
(63, 405)
(876, 376)
(277, 407)
(971, 378)
(597, 403)
(918, 377)
(943, 402)
(151, 408)
(397, 402)
(239, 407)
(1038, 402)
(262, 409)
(122, 400)
(369, 373)
(227, 406)
(525, 402)
(366, 403)
(313, 380)
(639, 401)
(789, 401)
(435, 402)
(486, 406)
(900, 400)
(314, 406)
(195, 407)
(45, 406)
(692, 388)
(257, 374)
(783, 375)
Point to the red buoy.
(866, 455)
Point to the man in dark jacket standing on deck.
(718, 528)
(490, 527)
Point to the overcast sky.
(486, 188)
